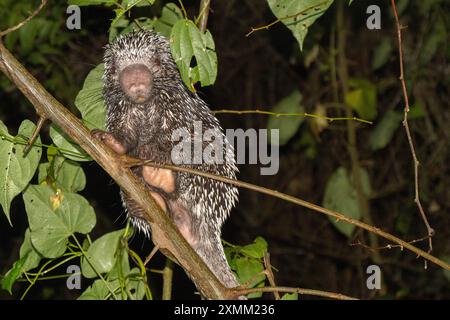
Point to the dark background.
(255, 73)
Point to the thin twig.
(430, 230)
(183, 9)
(34, 136)
(303, 12)
(302, 291)
(203, 15)
(389, 246)
(150, 256)
(132, 162)
(21, 24)
(276, 114)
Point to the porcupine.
(146, 101)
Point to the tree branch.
(164, 233)
(21, 24)
(430, 230)
(338, 216)
(302, 291)
(203, 15)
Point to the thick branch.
(164, 233)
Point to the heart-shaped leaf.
(101, 255)
(90, 100)
(16, 170)
(53, 217)
(298, 15)
(287, 126)
(188, 43)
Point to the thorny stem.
(302, 291)
(303, 12)
(276, 114)
(430, 230)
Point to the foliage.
(299, 15)
(61, 220)
(42, 42)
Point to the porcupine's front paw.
(109, 139)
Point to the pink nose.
(136, 82)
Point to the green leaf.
(101, 254)
(121, 266)
(299, 15)
(27, 249)
(365, 182)
(231, 257)
(248, 269)
(136, 284)
(92, 2)
(99, 291)
(416, 111)
(90, 100)
(287, 126)
(382, 53)
(137, 3)
(70, 177)
(12, 275)
(290, 296)
(341, 196)
(257, 249)
(435, 37)
(16, 170)
(67, 147)
(29, 258)
(385, 129)
(363, 98)
(118, 23)
(53, 217)
(67, 174)
(169, 16)
(28, 34)
(403, 223)
(188, 43)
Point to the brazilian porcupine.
(146, 101)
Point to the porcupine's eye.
(136, 82)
